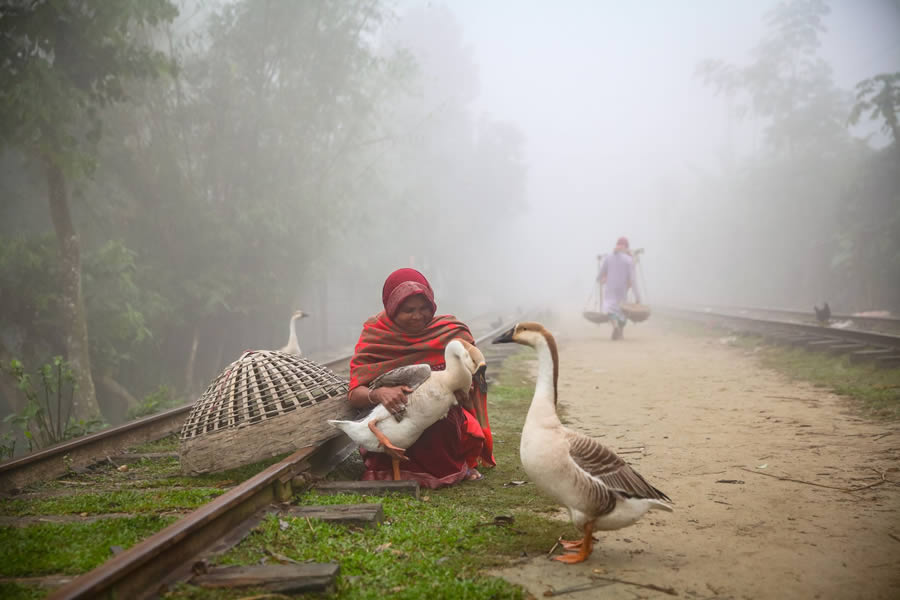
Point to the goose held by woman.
(433, 393)
(600, 490)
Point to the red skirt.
(441, 456)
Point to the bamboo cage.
(263, 404)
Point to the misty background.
(225, 163)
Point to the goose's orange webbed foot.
(389, 448)
(584, 546)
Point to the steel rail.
(867, 338)
(869, 322)
(168, 555)
(83, 451)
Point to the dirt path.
(702, 410)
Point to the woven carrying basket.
(636, 312)
(263, 404)
(595, 317)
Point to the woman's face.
(414, 314)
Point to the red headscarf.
(400, 285)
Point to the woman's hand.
(393, 398)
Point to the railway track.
(169, 555)
(887, 325)
(859, 344)
(82, 452)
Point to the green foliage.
(71, 548)
(7, 445)
(161, 399)
(46, 417)
(29, 294)
(880, 97)
(118, 309)
(233, 190)
(788, 84)
(63, 61)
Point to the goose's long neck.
(455, 376)
(292, 338)
(543, 405)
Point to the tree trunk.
(192, 359)
(72, 305)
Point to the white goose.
(600, 489)
(434, 392)
(293, 346)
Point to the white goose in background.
(601, 491)
(293, 346)
(433, 395)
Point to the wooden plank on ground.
(355, 514)
(304, 577)
(369, 488)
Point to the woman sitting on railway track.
(407, 332)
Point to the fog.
(264, 156)
(616, 121)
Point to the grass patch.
(436, 547)
(875, 389)
(70, 548)
(166, 444)
(16, 591)
(117, 501)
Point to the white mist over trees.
(227, 162)
(295, 153)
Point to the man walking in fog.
(618, 274)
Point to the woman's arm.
(393, 398)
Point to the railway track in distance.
(882, 348)
(169, 555)
(885, 325)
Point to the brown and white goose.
(601, 491)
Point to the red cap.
(622, 242)
(400, 285)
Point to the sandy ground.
(702, 410)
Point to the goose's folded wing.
(603, 464)
(410, 375)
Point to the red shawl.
(446, 450)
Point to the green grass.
(116, 501)
(439, 545)
(16, 591)
(70, 548)
(876, 390)
(166, 444)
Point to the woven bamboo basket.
(263, 404)
(595, 316)
(636, 312)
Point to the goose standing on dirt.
(601, 491)
(293, 346)
(433, 393)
